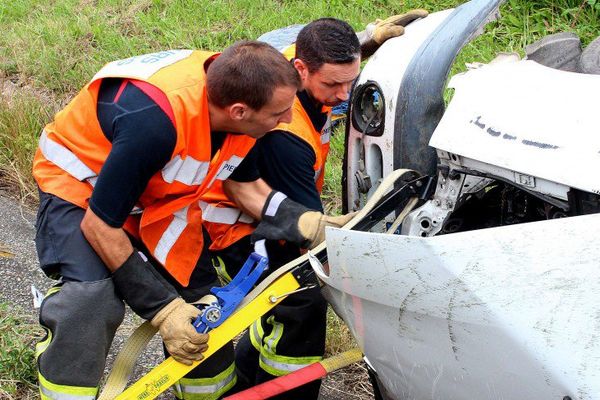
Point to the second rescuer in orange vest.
(327, 56)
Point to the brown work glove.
(174, 323)
(284, 219)
(376, 33)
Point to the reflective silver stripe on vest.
(223, 215)
(226, 168)
(136, 210)
(326, 131)
(245, 218)
(92, 181)
(64, 396)
(171, 234)
(188, 171)
(317, 173)
(325, 136)
(64, 158)
(207, 389)
(142, 67)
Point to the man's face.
(279, 110)
(330, 84)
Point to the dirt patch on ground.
(15, 85)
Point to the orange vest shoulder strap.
(290, 51)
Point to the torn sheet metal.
(409, 73)
(527, 118)
(502, 313)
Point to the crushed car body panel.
(482, 311)
(387, 76)
(408, 75)
(502, 313)
(524, 117)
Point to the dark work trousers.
(82, 312)
(287, 338)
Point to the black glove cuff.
(280, 217)
(142, 287)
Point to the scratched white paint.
(527, 118)
(503, 313)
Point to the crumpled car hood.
(502, 313)
(528, 118)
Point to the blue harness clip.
(232, 294)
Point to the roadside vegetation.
(49, 50)
(17, 363)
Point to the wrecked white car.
(490, 287)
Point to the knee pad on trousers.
(81, 319)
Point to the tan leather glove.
(394, 26)
(174, 323)
(376, 33)
(312, 225)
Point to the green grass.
(332, 189)
(338, 335)
(17, 363)
(53, 46)
(51, 49)
(338, 338)
(21, 118)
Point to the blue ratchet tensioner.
(232, 294)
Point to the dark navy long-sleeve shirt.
(138, 120)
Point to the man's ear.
(238, 111)
(302, 68)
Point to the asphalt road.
(20, 272)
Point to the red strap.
(281, 384)
(121, 88)
(157, 96)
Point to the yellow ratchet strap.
(170, 371)
(124, 363)
(266, 295)
(342, 360)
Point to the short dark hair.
(327, 41)
(248, 72)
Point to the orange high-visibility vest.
(302, 127)
(73, 148)
(226, 224)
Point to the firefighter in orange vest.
(122, 171)
(292, 161)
